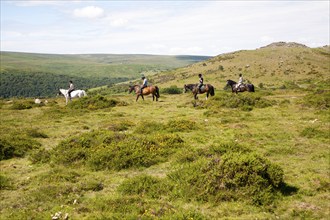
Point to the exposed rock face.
(285, 44)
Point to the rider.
(201, 81)
(240, 82)
(144, 84)
(71, 88)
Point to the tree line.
(17, 83)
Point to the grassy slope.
(275, 132)
(273, 67)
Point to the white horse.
(74, 94)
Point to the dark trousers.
(69, 93)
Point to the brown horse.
(242, 88)
(207, 88)
(154, 90)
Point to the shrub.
(93, 103)
(16, 147)
(21, 105)
(225, 175)
(114, 151)
(134, 152)
(171, 90)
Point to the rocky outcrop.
(285, 44)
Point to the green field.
(262, 155)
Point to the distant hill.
(278, 65)
(31, 74)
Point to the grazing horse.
(74, 94)
(208, 88)
(154, 90)
(242, 88)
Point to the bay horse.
(242, 88)
(154, 90)
(74, 94)
(207, 88)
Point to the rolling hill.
(31, 75)
(278, 65)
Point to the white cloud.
(88, 12)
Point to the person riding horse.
(71, 88)
(144, 84)
(240, 82)
(200, 83)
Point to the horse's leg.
(195, 95)
(137, 97)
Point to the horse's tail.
(157, 92)
(211, 90)
(252, 88)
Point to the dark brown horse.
(154, 90)
(242, 88)
(207, 88)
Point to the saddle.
(202, 89)
(241, 86)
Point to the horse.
(154, 90)
(243, 87)
(208, 88)
(74, 94)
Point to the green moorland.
(40, 75)
(262, 155)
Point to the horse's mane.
(231, 81)
(191, 86)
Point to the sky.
(161, 27)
